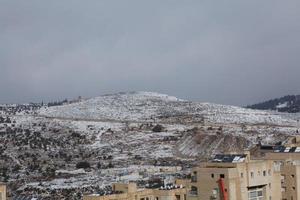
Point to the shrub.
(158, 128)
(83, 165)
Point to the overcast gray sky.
(230, 52)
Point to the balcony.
(193, 191)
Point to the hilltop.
(149, 107)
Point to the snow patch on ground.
(282, 105)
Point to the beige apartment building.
(2, 191)
(236, 177)
(130, 191)
(288, 157)
(290, 180)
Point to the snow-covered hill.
(147, 106)
(115, 132)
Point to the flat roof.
(229, 158)
(283, 149)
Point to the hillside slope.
(290, 104)
(146, 106)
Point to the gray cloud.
(225, 52)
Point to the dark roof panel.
(229, 158)
(266, 147)
(283, 149)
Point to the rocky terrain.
(60, 152)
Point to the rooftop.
(283, 149)
(166, 187)
(171, 187)
(229, 158)
(107, 193)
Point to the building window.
(258, 173)
(293, 176)
(212, 175)
(215, 193)
(264, 173)
(242, 175)
(194, 177)
(282, 178)
(294, 188)
(259, 193)
(269, 172)
(255, 194)
(222, 175)
(252, 175)
(194, 191)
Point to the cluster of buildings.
(130, 191)
(263, 173)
